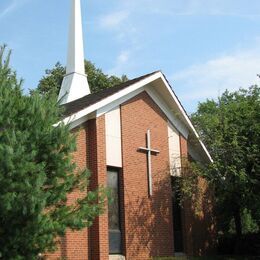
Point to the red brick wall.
(204, 228)
(76, 241)
(91, 154)
(148, 220)
(198, 218)
(187, 214)
(74, 244)
(99, 245)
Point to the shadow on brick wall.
(199, 222)
(150, 222)
(149, 219)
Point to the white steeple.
(75, 82)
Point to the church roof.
(79, 104)
(158, 88)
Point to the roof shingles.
(81, 103)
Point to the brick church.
(133, 138)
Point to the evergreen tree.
(37, 173)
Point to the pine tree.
(37, 173)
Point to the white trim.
(123, 95)
(116, 257)
(166, 110)
(174, 150)
(185, 116)
(79, 121)
(113, 137)
(118, 102)
(110, 99)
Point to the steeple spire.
(75, 83)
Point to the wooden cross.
(149, 152)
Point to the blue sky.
(202, 46)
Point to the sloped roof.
(79, 104)
(82, 109)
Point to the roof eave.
(75, 119)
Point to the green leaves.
(50, 83)
(230, 127)
(37, 172)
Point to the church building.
(135, 139)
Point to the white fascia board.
(78, 122)
(109, 100)
(185, 116)
(110, 103)
(205, 150)
(73, 122)
(76, 119)
(181, 127)
(119, 101)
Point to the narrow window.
(114, 225)
(177, 216)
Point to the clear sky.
(202, 46)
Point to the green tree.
(230, 128)
(37, 173)
(51, 81)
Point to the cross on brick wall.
(149, 152)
